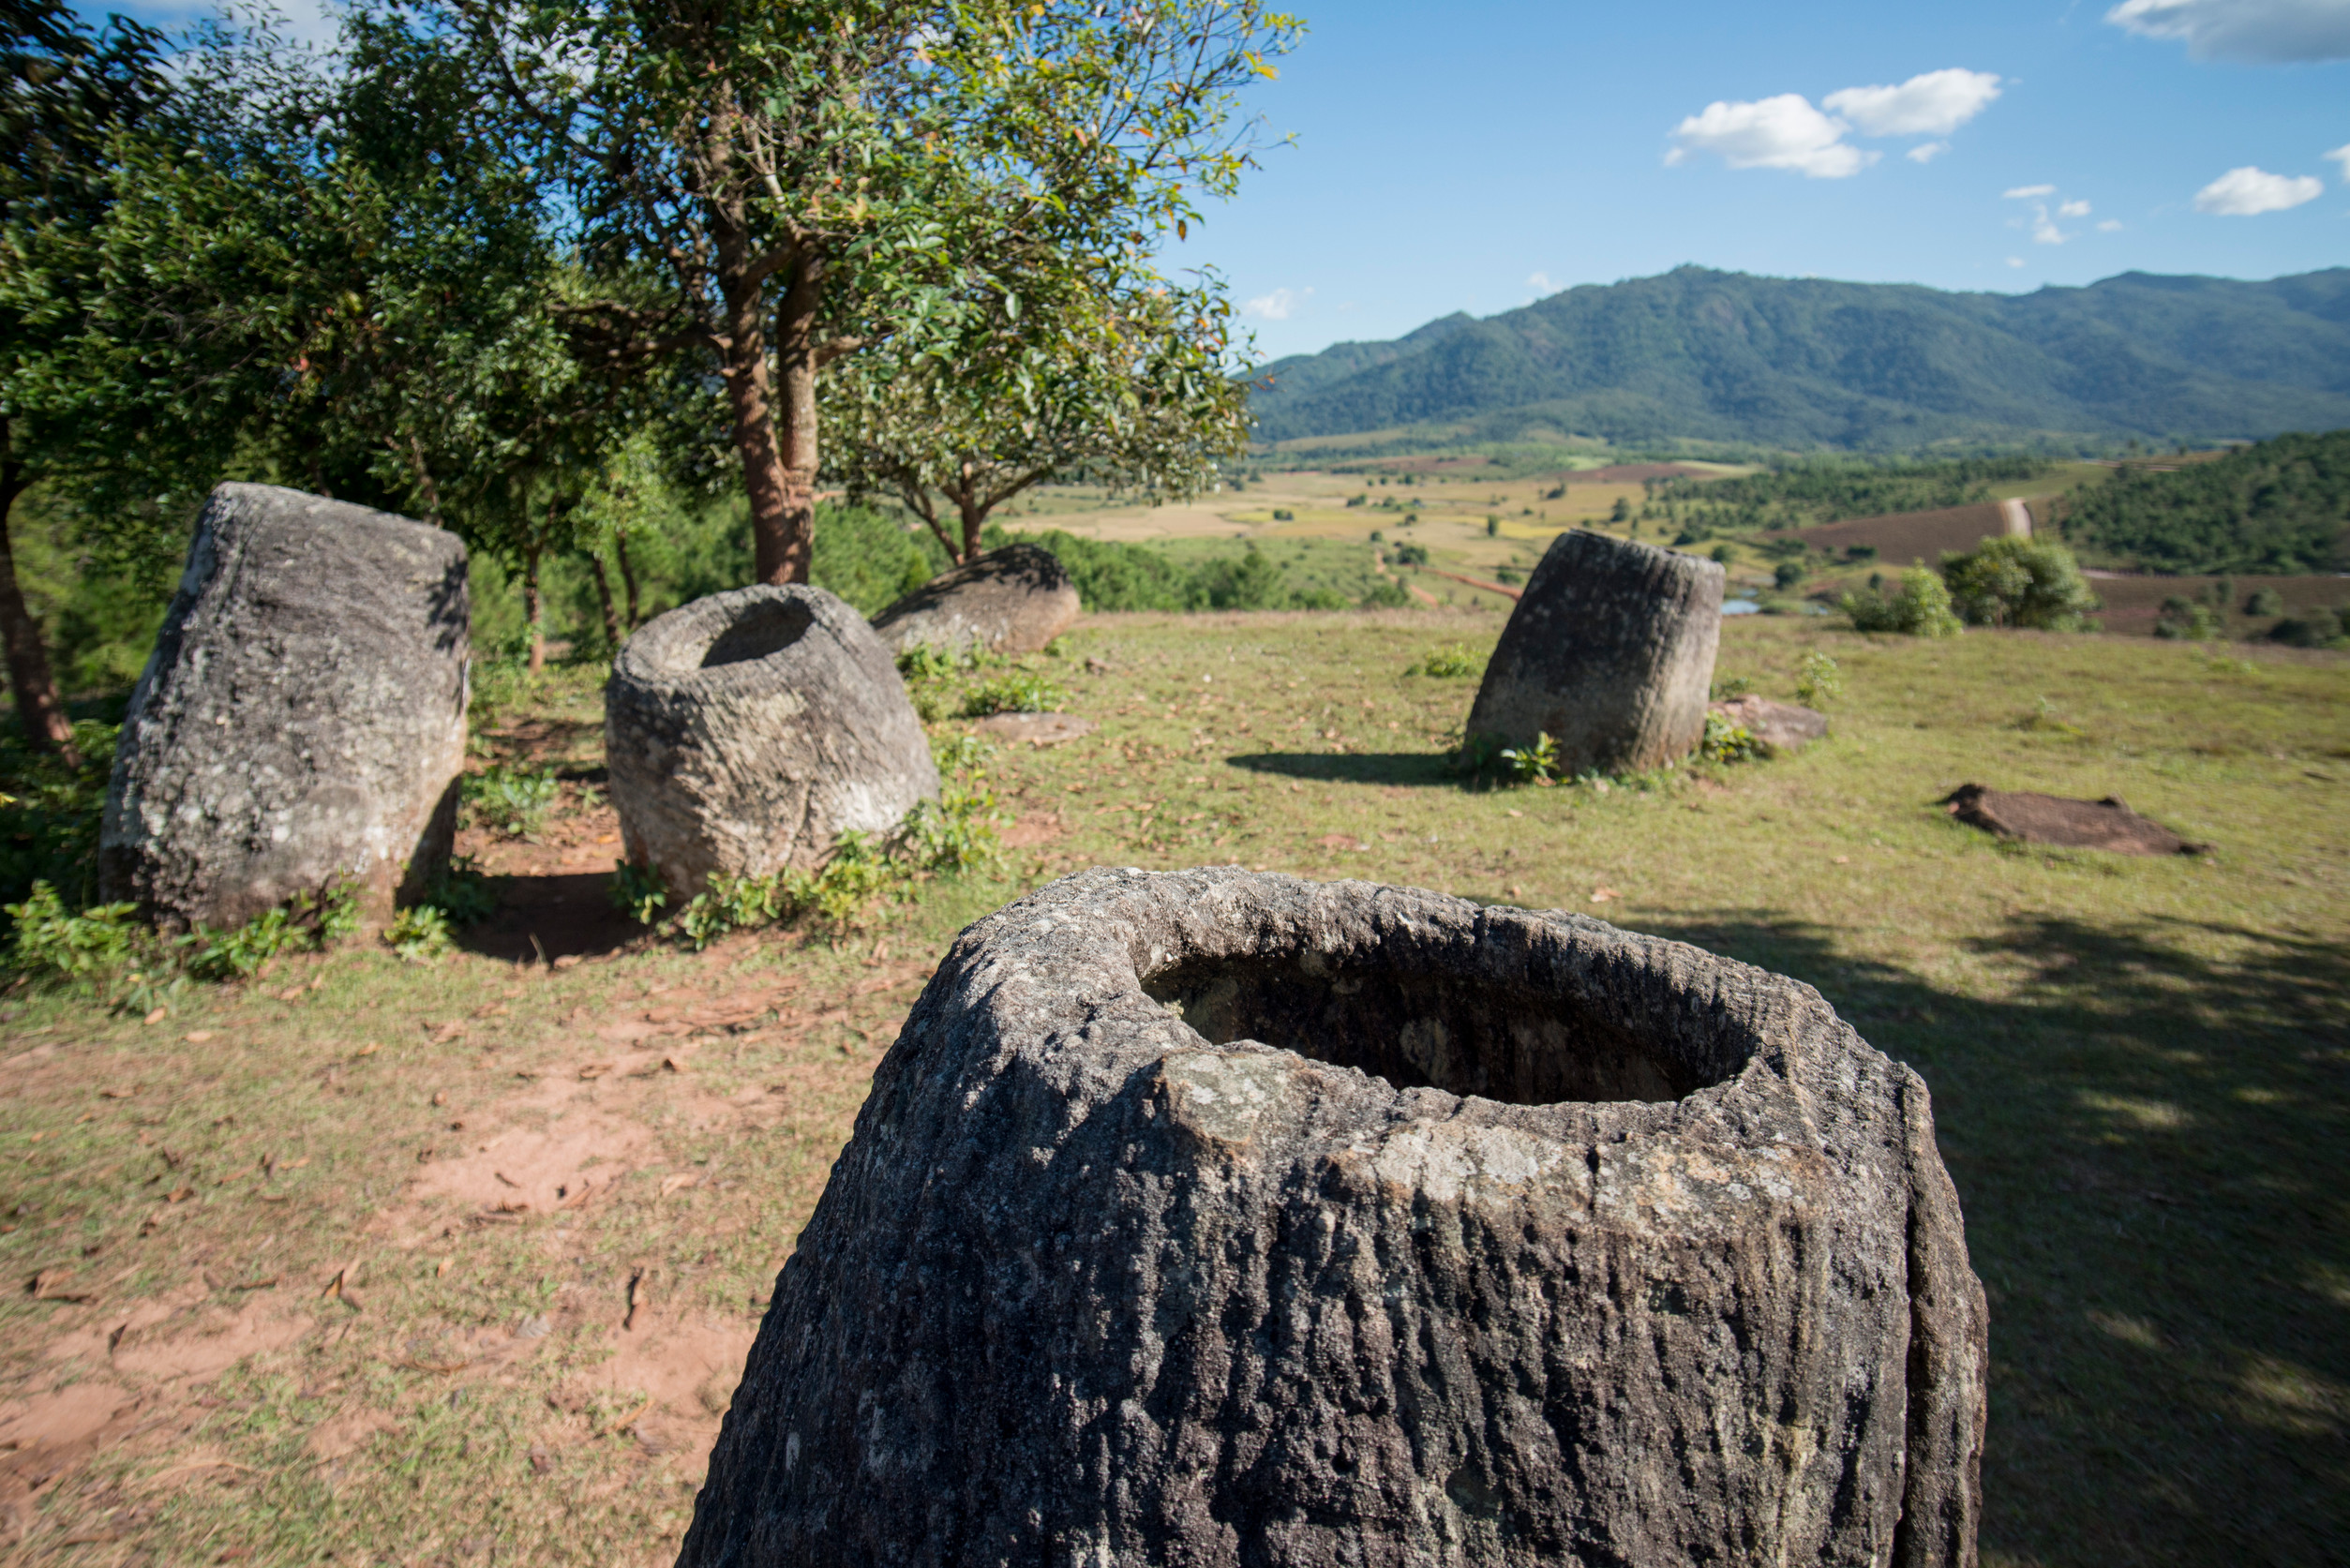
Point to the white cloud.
(2074, 209)
(2261, 31)
(1277, 306)
(2341, 155)
(2015, 260)
(1541, 280)
(1926, 152)
(2045, 230)
(2243, 193)
(2111, 226)
(2025, 193)
(1782, 132)
(1932, 104)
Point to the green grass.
(2138, 1069)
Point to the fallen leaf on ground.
(117, 1094)
(678, 1184)
(595, 1070)
(1601, 895)
(158, 1016)
(197, 1037)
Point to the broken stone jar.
(1219, 1218)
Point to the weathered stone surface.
(302, 719)
(1015, 600)
(2052, 819)
(1213, 1219)
(1610, 654)
(744, 732)
(1780, 726)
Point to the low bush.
(2188, 620)
(2318, 629)
(1725, 741)
(52, 942)
(2009, 581)
(1921, 608)
(1817, 679)
(514, 801)
(1448, 662)
(1019, 692)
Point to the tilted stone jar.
(1209, 1217)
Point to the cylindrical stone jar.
(1218, 1218)
(746, 731)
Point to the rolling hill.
(1802, 362)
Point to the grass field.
(454, 1263)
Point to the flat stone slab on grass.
(2052, 819)
(1779, 726)
(1219, 1218)
(1035, 729)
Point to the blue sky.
(1475, 156)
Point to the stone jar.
(302, 719)
(1015, 600)
(746, 731)
(1610, 652)
(1218, 1218)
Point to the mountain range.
(1710, 356)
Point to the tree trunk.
(612, 632)
(776, 544)
(628, 577)
(796, 350)
(974, 518)
(38, 711)
(531, 616)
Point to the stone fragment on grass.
(1611, 653)
(746, 731)
(1011, 601)
(1777, 726)
(1222, 1218)
(302, 718)
(1035, 729)
(2052, 819)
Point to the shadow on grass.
(1418, 769)
(540, 918)
(2149, 1135)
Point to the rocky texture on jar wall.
(1220, 1219)
(301, 721)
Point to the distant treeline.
(1800, 492)
(2281, 506)
(1110, 575)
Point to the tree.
(65, 95)
(2011, 581)
(1124, 386)
(783, 183)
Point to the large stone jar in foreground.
(1213, 1219)
(745, 732)
(302, 719)
(1610, 652)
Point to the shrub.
(1721, 554)
(1411, 555)
(515, 800)
(54, 943)
(1538, 764)
(1920, 609)
(420, 935)
(2320, 628)
(639, 893)
(462, 892)
(236, 955)
(2265, 601)
(1283, 516)
(1385, 594)
(1021, 691)
(1446, 663)
(1492, 526)
(1817, 679)
(2019, 582)
(1508, 574)
(1725, 741)
(1730, 688)
(50, 814)
(1787, 574)
(2184, 618)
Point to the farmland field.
(457, 1262)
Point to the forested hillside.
(1799, 362)
(2281, 506)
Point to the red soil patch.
(1903, 537)
(1633, 473)
(2133, 604)
(1035, 828)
